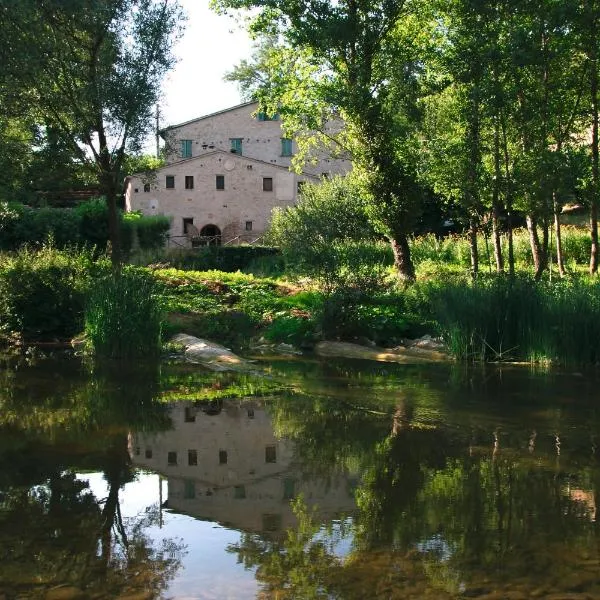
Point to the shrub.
(228, 259)
(42, 292)
(93, 222)
(123, 317)
(152, 231)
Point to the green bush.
(300, 331)
(93, 222)
(577, 245)
(11, 221)
(123, 316)
(227, 259)
(85, 225)
(152, 231)
(42, 292)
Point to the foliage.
(517, 319)
(85, 225)
(220, 258)
(151, 230)
(42, 292)
(93, 76)
(313, 234)
(123, 316)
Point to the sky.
(211, 46)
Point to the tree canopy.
(90, 72)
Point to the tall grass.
(518, 319)
(123, 317)
(429, 252)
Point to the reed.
(504, 318)
(123, 316)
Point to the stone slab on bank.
(209, 354)
(409, 355)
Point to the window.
(170, 182)
(146, 187)
(148, 453)
(222, 457)
(236, 145)
(299, 187)
(239, 492)
(289, 489)
(172, 458)
(220, 182)
(189, 489)
(286, 147)
(270, 454)
(135, 190)
(248, 225)
(189, 182)
(271, 522)
(251, 413)
(262, 116)
(186, 148)
(267, 184)
(192, 458)
(187, 221)
(190, 413)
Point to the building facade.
(225, 173)
(227, 465)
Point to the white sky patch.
(211, 45)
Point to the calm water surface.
(306, 479)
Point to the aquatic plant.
(504, 318)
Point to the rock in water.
(209, 354)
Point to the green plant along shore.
(51, 295)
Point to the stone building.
(224, 463)
(225, 173)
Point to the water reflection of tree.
(53, 529)
(446, 509)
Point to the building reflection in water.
(223, 463)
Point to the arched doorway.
(210, 235)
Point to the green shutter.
(286, 147)
(236, 145)
(186, 148)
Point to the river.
(305, 479)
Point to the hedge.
(85, 225)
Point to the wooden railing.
(185, 241)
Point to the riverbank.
(44, 297)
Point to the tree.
(359, 60)
(90, 70)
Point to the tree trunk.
(496, 201)
(109, 189)
(560, 261)
(497, 241)
(511, 246)
(508, 200)
(402, 260)
(473, 246)
(595, 166)
(537, 251)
